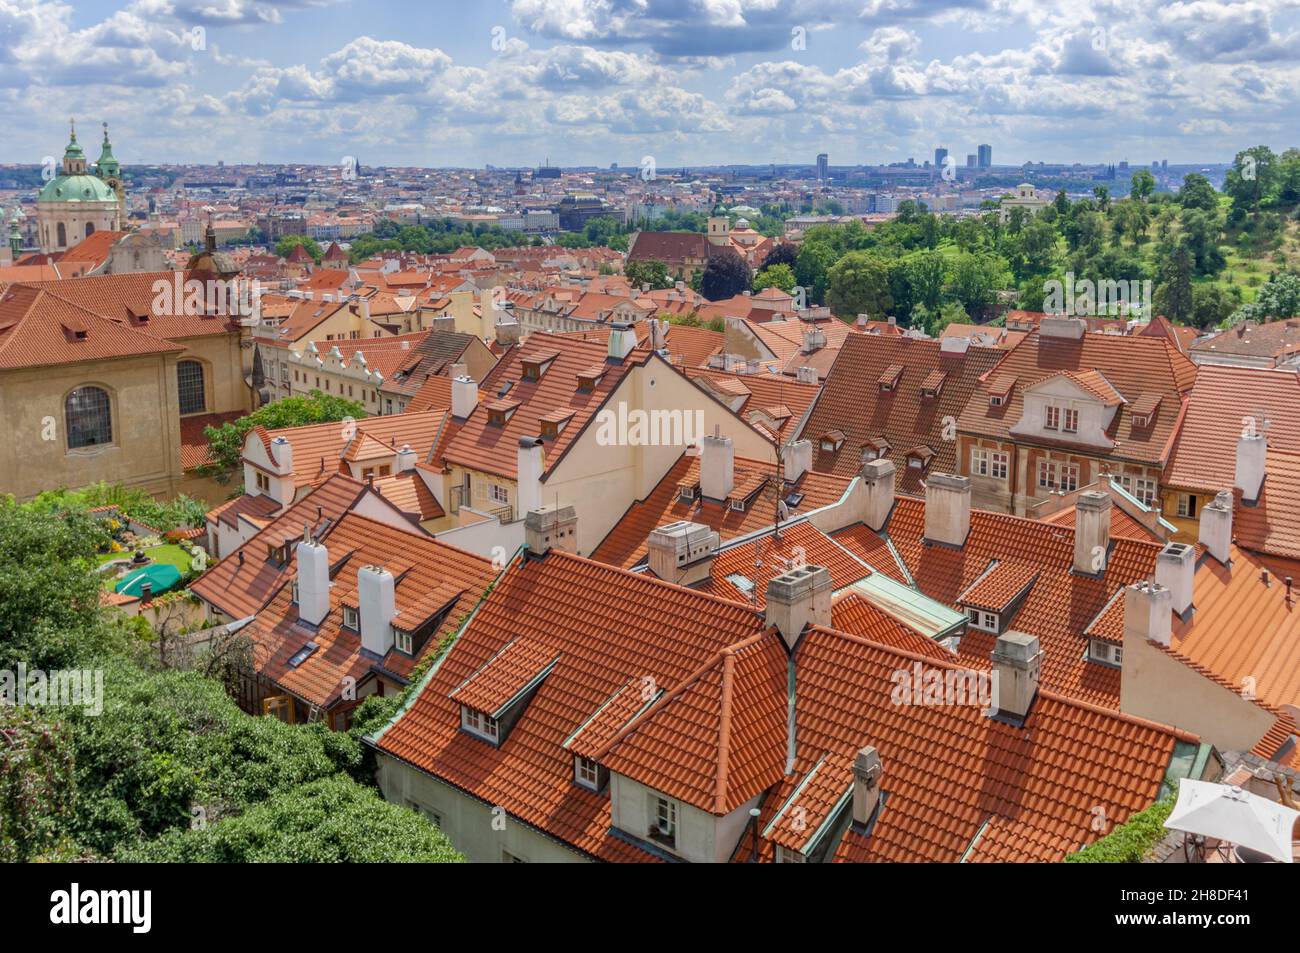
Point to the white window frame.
(1051, 417)
(479, 724)
(1141, 485)
(586, 773)
(664, 817)
(786, 856)
(1069, 420)
(1187, 505)
(1000, 464)
(403, 641)
(979, 461)
(498, 493)
(351, 617)
(982, 619)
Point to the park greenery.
(170, 769)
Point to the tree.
(925, 272)
(782, 253)
(1200, 232)
(226, 442)
(1212, 305)
(285, 246)
(812, 266)
(1141, 185)
(653, 273)
(725, 276)
(1253, 179)
(1174, 297)
(775, 276)
(1197, 192)
(1280, 296)
(1103, 196)
(975, 279)
(858, 284)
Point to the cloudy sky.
(691, 82)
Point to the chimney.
(878, 483)
(866, 785)
(622, 338)
(405, 459)
(459, 369)
(947, 509)
(529, 460)
(814, 339)
(313, 581)
(551, 527)
(682, 552)
(1216, 527)
(365, 308)
(1147, 607)
(796, 459)
(1091, 532)
(1252, 451)
(283, 453)
(1176, 571)
(464, 396)
(1070, 329)
(658, 334)
(806, 375)
(1017, 663)
(376, 593)
(717, 466)
(798, 598)
(508, 333)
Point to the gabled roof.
(853, 402)
(134, 293)
(319, 449)
(1274, 340)
(742, 570)
(1113, 368)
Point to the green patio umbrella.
(163, 576)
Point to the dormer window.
(351, 618)
(737, 506)
(586, 773)
(888, 381)
(663, 820)
(1060, 418)
(997, 400)
(686, 492)
(403, 641)
(480, 724)
(983, 620)
(278, 554)
(932, 385)
(832, 440)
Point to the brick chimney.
(551, 527)
(464, 396)
(1147, 608)
(1017, 665)
(376, 595)
(313, 581)
(878, 486)
(947, 509)
(1216, 527)
(796, 459)
(1252, 453)
(717, 466)
(1176, 571)
(682, 552)
(1091, 532)
(867, 770)
(798, 598)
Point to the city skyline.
(694, 84)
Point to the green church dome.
(76, 188)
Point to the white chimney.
(464, 396)
(867, 770)
(947, 509)
(313, 582)
(622, 338)
(1091, 532)
(1176, 571)
(1017, 665)
(799, 598)
(406, 458)
(1216, 527)
(878, 483)
(813, 340)
(365, 308)
(1252, 451)
(529, 460)
(717, 466)
(806, 375)
(1147, 608)
(682, 552)
(551, 527)
(283, 455)
(376, 594)
(796, 459)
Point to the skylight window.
(302, 654)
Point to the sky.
(686, 82)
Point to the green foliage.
(725, 276)
(1130, 842)
(36, 789)
(227, 441)
(775, 276)
(652, 273)
(858, 284)
(182, 512)
(285, 246)
(332, 820)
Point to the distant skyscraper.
(985, 156)
(970, 160)
(823, 164)
(939, 155)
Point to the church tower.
(74, 205)
(108, 169)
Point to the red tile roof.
(194, 444)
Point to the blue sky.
(691, 82)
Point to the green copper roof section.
(107, 164)
(76, 188)
(914, 609)
(74, 149)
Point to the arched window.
(90, 229)
(189, 378)
(63, 235)
(89, 417)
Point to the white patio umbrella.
(1231, 814)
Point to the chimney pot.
(376, 594)
(464, 396)
(796, 459)
(717, 467)
(878, 483)
(798, 598)
(1017, 666)
(1147, 608)
(1176, 571)
(1091, 532)
(551, 527)
(1252, 452)
(313, 581)
(867, 770)
(682, 552)
(1215, 531)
